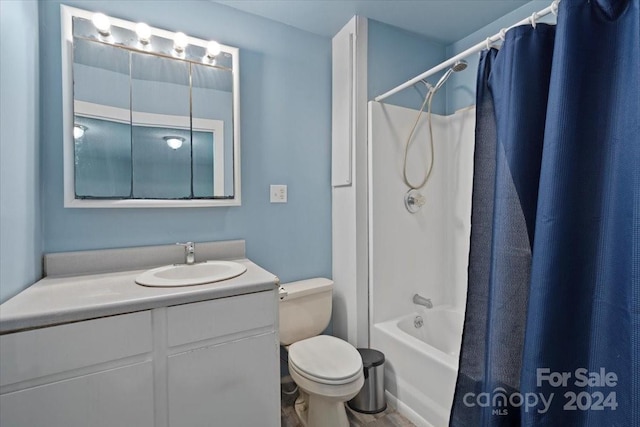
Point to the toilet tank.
(305, 309)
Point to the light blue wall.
(461, 87)
(286, 134)
(21, 242)
(395, 56)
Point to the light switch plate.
(278, 193)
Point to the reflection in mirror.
(150, 123)
(160, 108)
(102, 139)
(212, 111)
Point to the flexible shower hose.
(427, 102)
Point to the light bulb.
(78, 131)
(213, 49)
(144, 32)
(102, 24)
(174, 142)
(180, 41)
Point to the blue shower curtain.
(552, 326)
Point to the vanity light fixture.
(144, 33)
(102, 24)
(174, 142)
(78, 131)
(180, 42)
(213, 49)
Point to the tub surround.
(421, 370)
(90, 284)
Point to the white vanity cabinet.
(93, 373)
(223, 362)
(209, 363)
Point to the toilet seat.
(326, 360)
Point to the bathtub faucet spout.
(417, 299)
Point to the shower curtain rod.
(553, 8)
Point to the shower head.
(458, 66)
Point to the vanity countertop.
(56, 300)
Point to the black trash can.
(371, 399)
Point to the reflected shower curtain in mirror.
(552, 325)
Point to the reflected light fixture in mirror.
(174, 142)
(78, 131)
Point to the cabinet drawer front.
(210, 319)
(117, 397)
(40, 352)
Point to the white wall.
(349, 183)
(425, 252)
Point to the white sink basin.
(188, 275)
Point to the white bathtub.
(421, 363)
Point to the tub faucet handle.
(417, 199)
(189, 252)
(413, 200)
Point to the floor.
(388, 418)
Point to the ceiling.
(444, 21)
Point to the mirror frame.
(67, 14)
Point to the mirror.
(152, 124)
(101, 145)
(160, 114)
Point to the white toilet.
(327, 370)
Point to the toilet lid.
(325, 358)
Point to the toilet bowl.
(327, 370)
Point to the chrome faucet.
(189, 252)
(417, 299)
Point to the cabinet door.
(235, 384)
(66, 348)
(117, 397)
